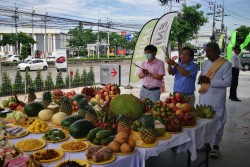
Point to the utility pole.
(98, 38)
(109, 25)
(15, 17)
(213, 33)
(45, 33)
(222, 20)
(32, 26)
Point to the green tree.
(59, 80)
(90, 76)
(24, 52)
(67, 81)
(18, 86)
(84, 77)
(28, 80)
(49, 84)
(39, 85)
(186, 25)
(80, 38)
(77, 79)
(6, 84)
(242, 33)
(19, 38)
(116, 40)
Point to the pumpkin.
(58, 117)
(45, 114)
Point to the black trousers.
(234, 83)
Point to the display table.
(136, 160)
(201, 134)
(163, 145)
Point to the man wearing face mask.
(185, 73)
(151, 72)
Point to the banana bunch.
(204, 111)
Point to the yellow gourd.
(45, 115)
(58, 117)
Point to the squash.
(58, 117)
(45, 114)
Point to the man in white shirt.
(236, 67)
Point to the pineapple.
(65, 106)
(123, 124)
(148, 131)
(47, 99)
(91, 115)
(82, 103)
(31, 95)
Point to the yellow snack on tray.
(38, 126)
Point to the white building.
(55, 39)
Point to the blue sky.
(132, 11)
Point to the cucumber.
(94, 131)
(97, 141)
(103, 134)
(106, 141)
(90, 137)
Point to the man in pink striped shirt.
(152, 73)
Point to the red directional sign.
(114, 72)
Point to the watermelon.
(78, 97)
(80, 128)
(33, 108)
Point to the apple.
(163, 114)
(75, 103)
(162, 109)
(73, 92)
(171, 105)
(178, 95)
(178, 105)
(178, 112)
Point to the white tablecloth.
(175, 140)
(203, 133)
(134, 160)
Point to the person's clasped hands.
(204, 79)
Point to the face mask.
(148, 56)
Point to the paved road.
(125, 67)
(244, 79)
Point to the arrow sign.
(114, 72)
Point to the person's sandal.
(215, 154)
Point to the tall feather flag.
(154, 32)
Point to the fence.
(20, 83)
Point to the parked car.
(33, 64)
(61, 59)
(51, 59)
(245, 60)
(13, 58)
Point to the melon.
(80, 128)
(186, 107)
(78, 97)
(127, 104)
(33, 108)
(45, 114)
(58, 117)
